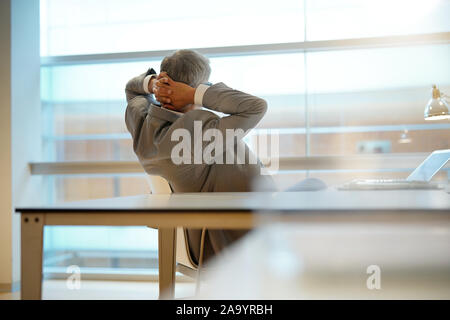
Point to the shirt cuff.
(146, 81)
(199, 92)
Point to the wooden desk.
(218, 210)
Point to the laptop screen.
(428, 168)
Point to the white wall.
(20, 140)
(5, 147)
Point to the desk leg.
(31, 256)
(167, 240)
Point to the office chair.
(184, 263)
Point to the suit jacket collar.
(163, 114)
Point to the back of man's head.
(187, 66)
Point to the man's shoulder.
(188, 120)
(198, 115)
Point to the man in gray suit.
(185, 95)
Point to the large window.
(342, 78)
(103, 26)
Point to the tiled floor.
(105, 290)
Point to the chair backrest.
(159, 185)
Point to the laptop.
(419, 179)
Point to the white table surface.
(330, 261)
(326, 200)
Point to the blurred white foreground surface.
(334, 261)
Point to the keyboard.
(387, 184)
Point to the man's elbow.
(128, 91)
(129, 95)
(262, 106)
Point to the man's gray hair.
(187, 66)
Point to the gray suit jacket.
(151, 128)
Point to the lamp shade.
(437, 107)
